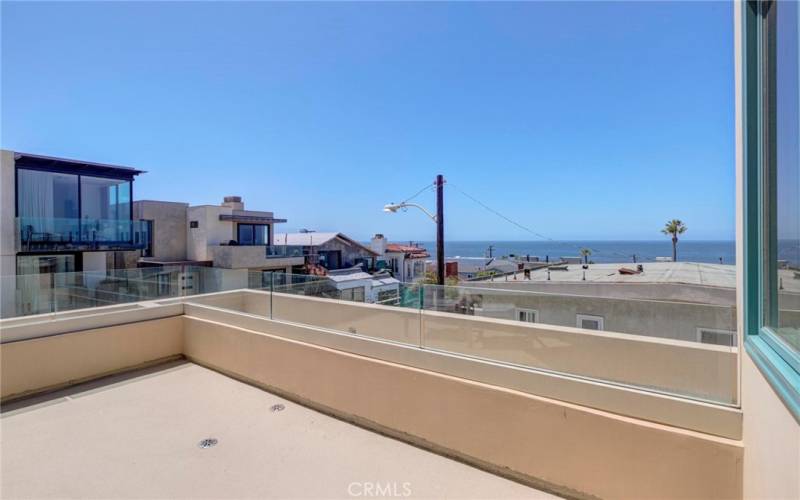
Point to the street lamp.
(438, 219)
(394, 207)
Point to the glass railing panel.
(284, 251)
(32, 294)
(685, 349)
(382, 309)
(34, 233)
(679, 348)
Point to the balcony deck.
(136, 435)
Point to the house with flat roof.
(359, 286)
(62, 215)
(226, 236)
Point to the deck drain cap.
(278, 407)
(207, 443)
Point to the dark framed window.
(147, 251)
(253, 234)
(771, 126)
(67, 207)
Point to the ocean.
(602, 251)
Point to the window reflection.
(253, 234)
(786, 319)
(105, 209)
(47, 203)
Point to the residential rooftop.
(137, 435)
(690, 273)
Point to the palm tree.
(674, 228)
(585, 253)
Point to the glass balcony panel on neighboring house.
(281, 251)
(67, 211)
(47, 233)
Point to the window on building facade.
(589, 322)
(355, 294)
(716, 336)
(147, 251)
(528, 315)
(47, 203)
(253, 234)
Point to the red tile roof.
(411, 252)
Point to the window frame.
(718, 331)
(590, 317)
(528, 313)
(252, 227)
(771, 354)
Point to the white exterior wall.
(400, 257)
(210, 231)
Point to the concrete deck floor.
(137, 435)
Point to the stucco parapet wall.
(47, 363)
(43, 325)
(680, 412)
(570, 449)
(248, 256)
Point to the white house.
(406, 262)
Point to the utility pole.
(491, 251)
(440, 229)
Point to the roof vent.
(207, 443)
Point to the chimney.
(378, 244)
(234, 202)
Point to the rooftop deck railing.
(526, 329)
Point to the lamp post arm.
(430, 215)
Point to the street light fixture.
(438, 219)
(394, 207)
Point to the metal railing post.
(271, 291)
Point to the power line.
(426, 188)
(507, 219)
(535, 233)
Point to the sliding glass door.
(105, 209)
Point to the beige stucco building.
(225, 236)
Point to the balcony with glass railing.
(640, 360)
(284, 251)
(254, 256)
(63, 234)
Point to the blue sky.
(579, 120)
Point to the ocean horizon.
(603, 251)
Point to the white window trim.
(580, 317)
(701, 329)
(535, 313)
